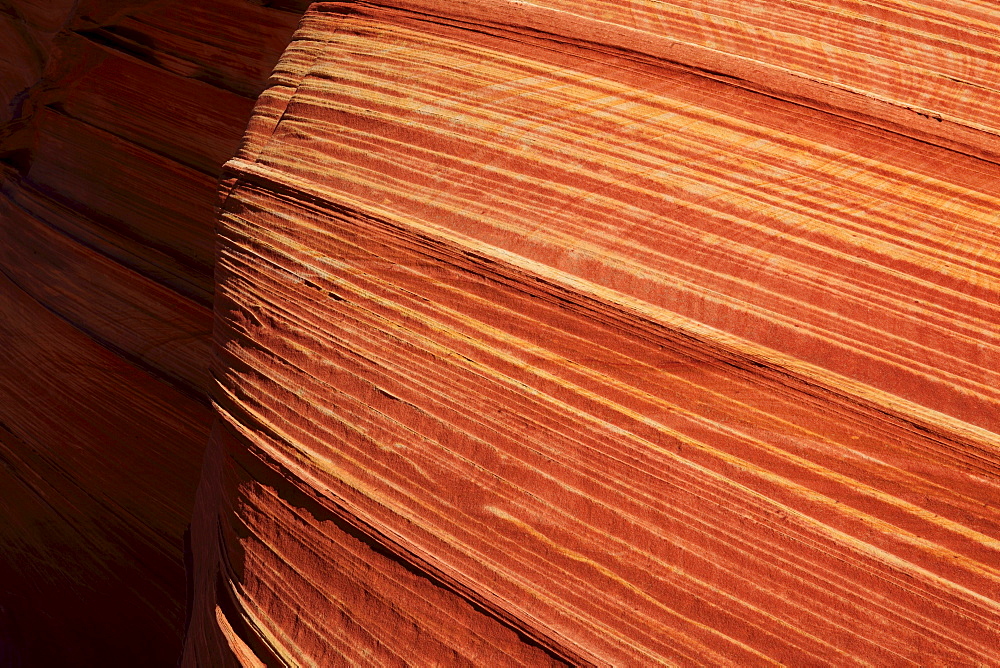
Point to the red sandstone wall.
(627, 362)
(545, 332)
(117, 118)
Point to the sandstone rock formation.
(545, 332)
(118, 117)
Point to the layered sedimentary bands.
(117, 117)
(549, 332)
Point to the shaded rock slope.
(549, 332)
(118, 117)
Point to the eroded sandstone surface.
(118, 117)
(549, 332)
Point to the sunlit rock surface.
(545, 332)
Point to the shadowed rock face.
(117, 119)
(545, 332)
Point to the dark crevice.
(196, 394)
(115, 39)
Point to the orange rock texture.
(546, 332)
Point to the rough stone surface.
(549, 332)
(115, 120)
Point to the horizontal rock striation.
(116, 119)
(540, 332)
(609, 333)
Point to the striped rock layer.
(545, 332)
(115, 120)
(605, 333)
